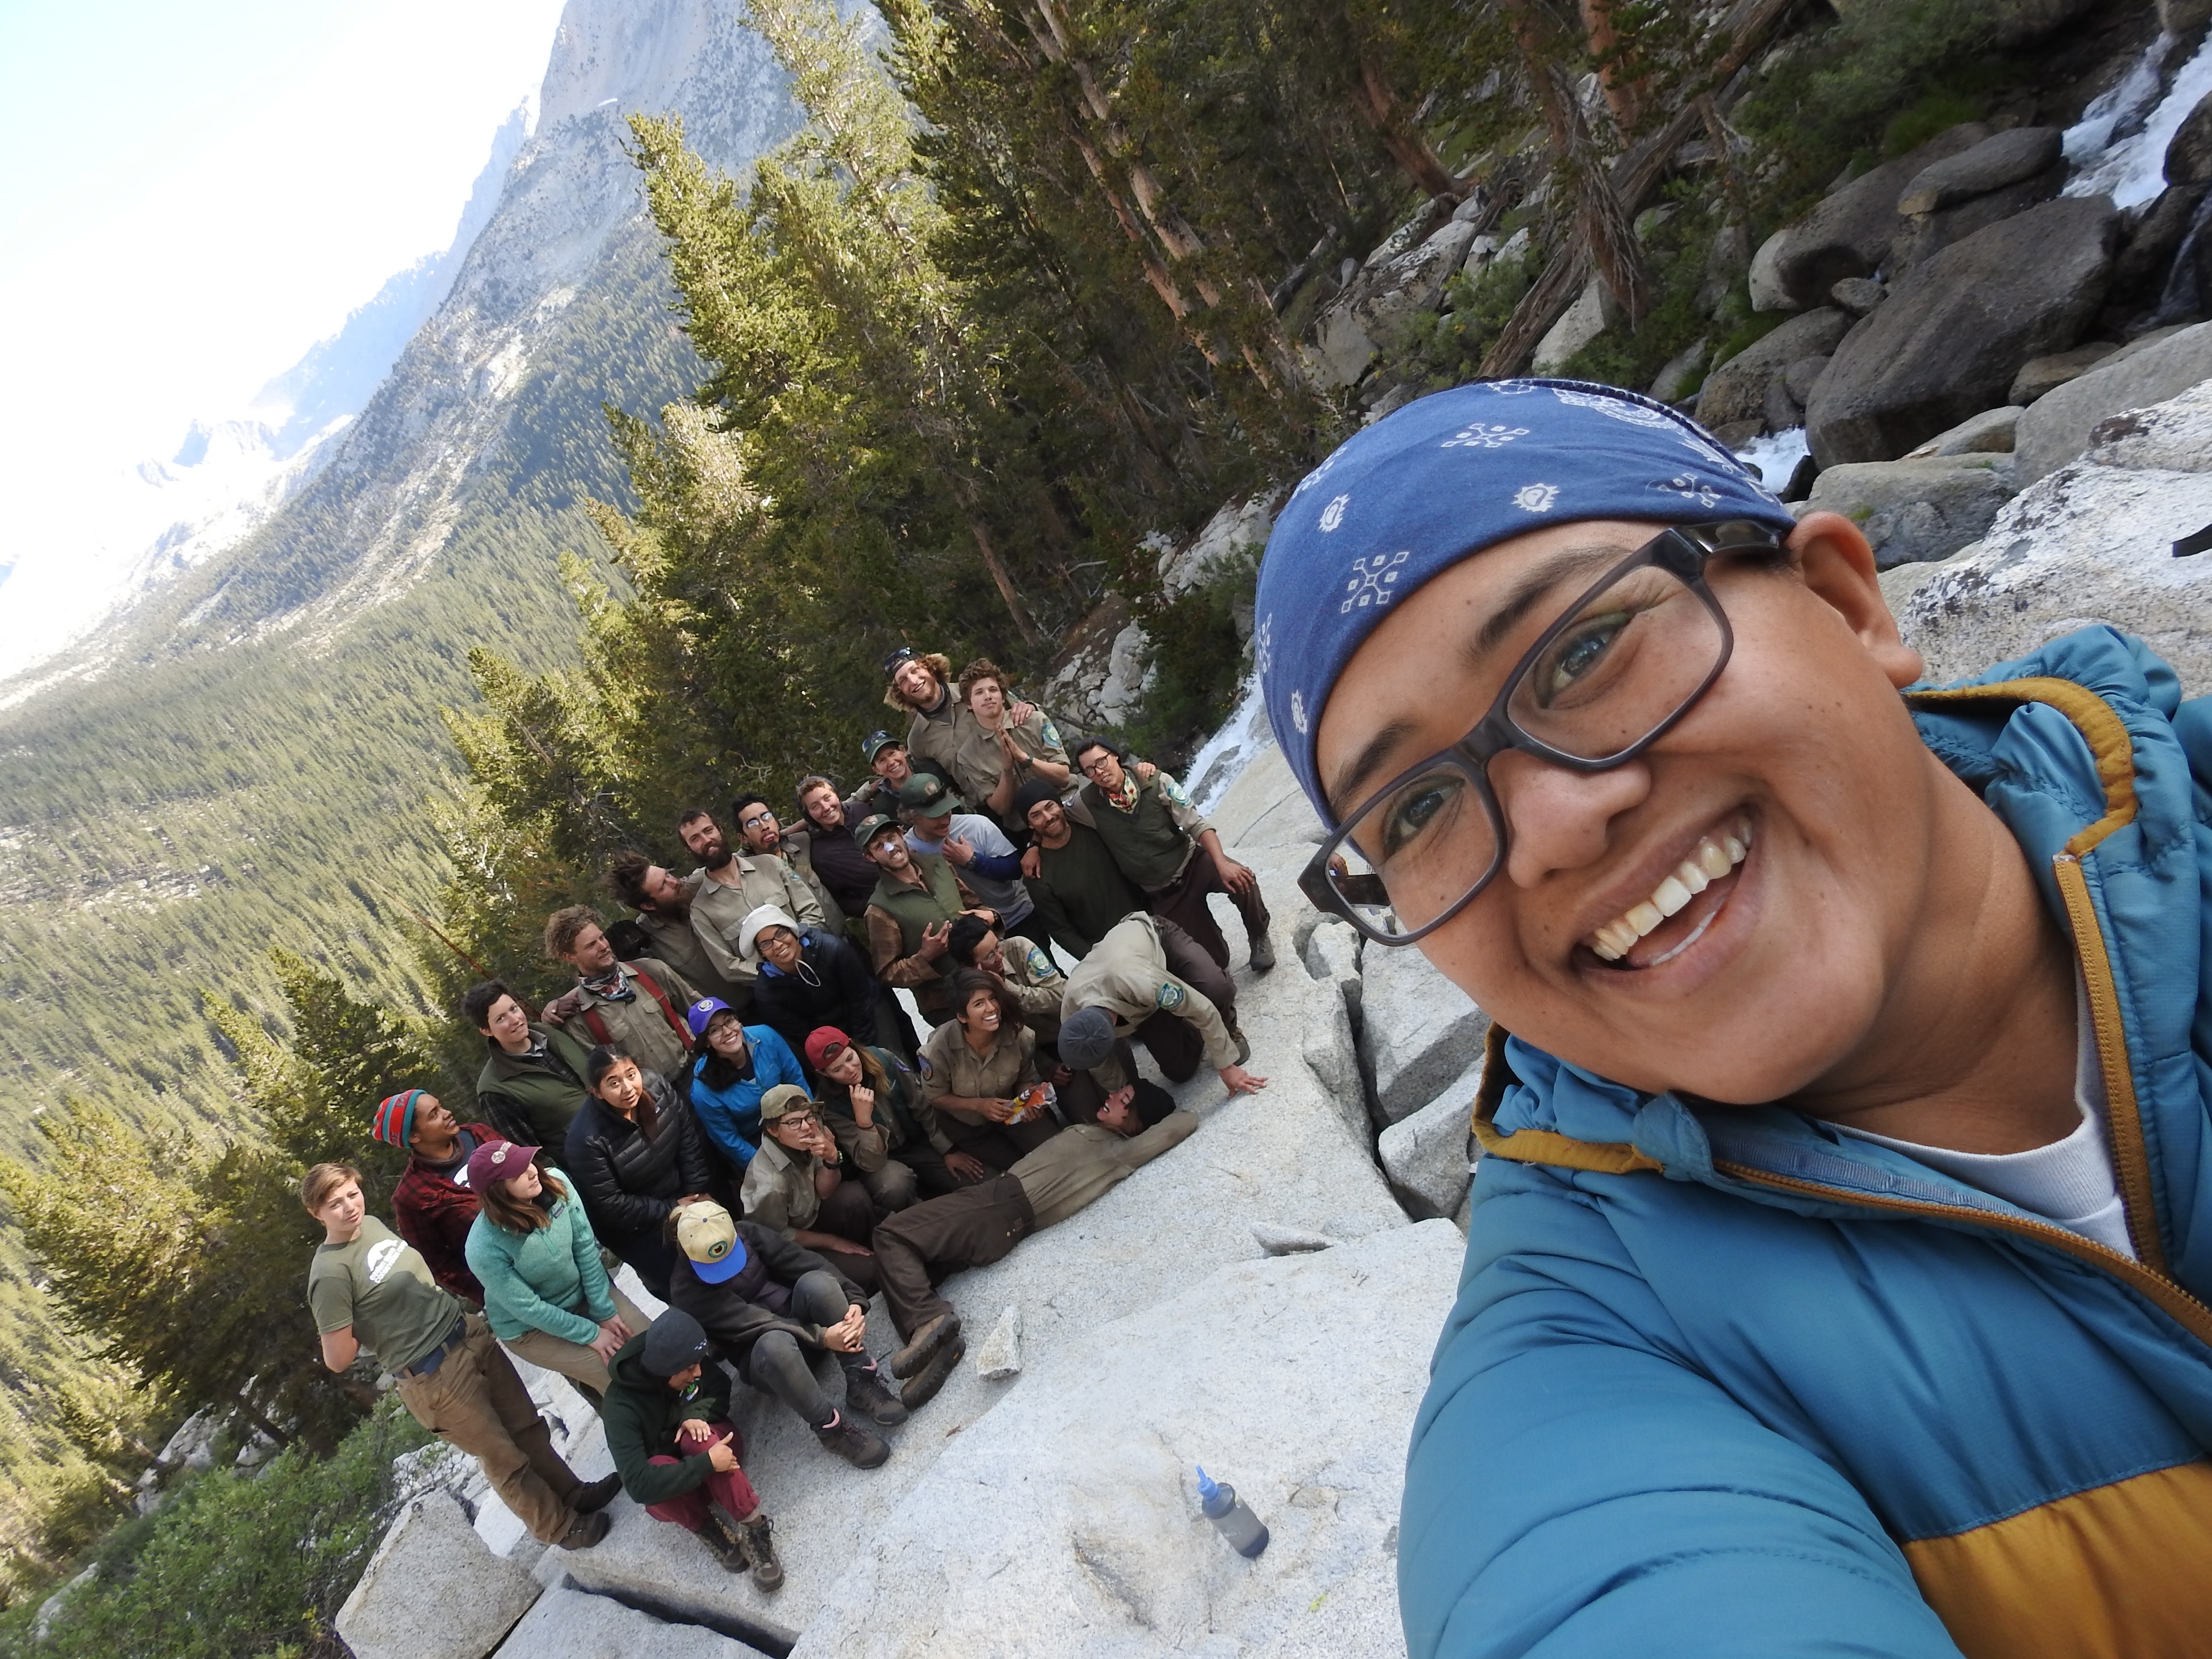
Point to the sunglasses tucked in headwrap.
(1447, 477)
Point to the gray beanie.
(1086, 1038)
(674, 1342)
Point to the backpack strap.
(667, 1008)
(596, 1023)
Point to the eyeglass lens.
(1628, 659)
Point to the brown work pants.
(1176, 1045)
(577, 1361)
(476, 1400)
(1183, 903)
(919, 1247)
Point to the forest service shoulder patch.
(1170, 997)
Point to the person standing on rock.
(737, 1065)
(1839, 1251)
(769, 1306)
(369, 1289)
(1078, 889)
(986, 763)
(667, 1421)
(1148, 980)
(761, 834)
(636, 1154)
(532, 1085)
(433, 1206)
(1169, 852)
(636, 1008)
(918, 1248)
(910, 914)
(735, 886)
(662, 900)
(841, 868)
(547, 1296)
(796, 1187)
(938, 824)
(872, 1104)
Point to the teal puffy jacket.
(1721, 1381)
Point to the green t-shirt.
(380, 1285)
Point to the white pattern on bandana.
(1691, 488)
(1371, 579)
(1332, 514)
(1479, 436)
(1263, 647)
(1316, 476)
(1299, 711)
(1617, 409)
(1535, 497)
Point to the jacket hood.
(2078, 749)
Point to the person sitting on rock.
(636, 1008)
(796, 1188)
(532, 1085)
(1169, 851)
(1031, 977)
(769, 1306)
(368, 1289)
(979, 1074)
(433, 1206)
(667, 1421)
(808, 977)
(736, 885)
(737, 1064)
(662, 900)
(1148, 980)
(547, 1296)
(636, 1154)
(871, 1101)
(918, 1248)
(1078, 889)
(1844, 1119)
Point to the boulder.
(1581, 323)
(2189, 152)
(2091, 543)
(1915, 510)
(2040, 374)
(1990, 433)
(1956, 329)
(1858, 295)
(1928, 233)
(2006, 158)
(1066, 1522)
(2057, 428)
(1238, 529)
(568, 1623)
(1802, 376)
(1426, 1155)
(1390, 289)
(1290, 1240)
(1681, 368)
(432, 1591)
(1850, 233)
(1736, 390)
(1418, 1029)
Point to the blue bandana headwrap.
(1448, 476)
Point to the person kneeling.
(667, 1418)
(769, 1306)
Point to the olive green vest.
(914, 909)
(1148, 844)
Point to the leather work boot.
(867, 1393)
(756, 1538)
(856, 1445)
(587, 1531)
(595, 1495)
(921, 1387)
(916, 1354)
(724, 1548)
(1263, 953)
(1243, 1043)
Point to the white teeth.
(1713, 857)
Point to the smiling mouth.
(1678, 911)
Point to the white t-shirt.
(2070, 1182)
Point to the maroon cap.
(497, 1160)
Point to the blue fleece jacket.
(1722, 1381)
(731, 1116)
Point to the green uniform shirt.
(380, 1285)
(1082, 892)
(1154, 837)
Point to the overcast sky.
(193, 193)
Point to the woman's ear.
(1838, 566)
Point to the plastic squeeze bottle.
(1231, 1516)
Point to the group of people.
(732, 1099)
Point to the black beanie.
(1029, 794)
(674, 1342)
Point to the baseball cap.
(497, 1160)
(820, 1041)
(904, 653)
(705, 1233)
(700, 1012)
(784, 1099)
(876, 742)
(872, 826)
(927, 796)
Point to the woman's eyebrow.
(1533, 586)
(1364, 765)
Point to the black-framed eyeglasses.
(1623, 663)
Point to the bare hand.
(722, 1457)
(957, 850)
(864, 1103)
(1146, 772)
(1032, 862)
(1001, 1111)
(608, 1343)
(1020, 713)
(933, 939)
(845, 1336)
(1237, 878)
(968, 1167)
(1238, 1081)
(843, 1246)
(696, 1428)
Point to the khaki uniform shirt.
(1127, 974)
(779, 1190)
(950, 1066)
(1080, 1163)
(675, 944)
(718, 910)
(639, 1027)
(1036, 983)
(799, 853)
(967, 755)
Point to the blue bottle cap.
(1208, 1491)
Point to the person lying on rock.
(369, 1289)
(796, 1187)
(1840, 1254)
(768, 1307)
(1147, 979)
(979, 1074)
(917, 1249)
(432, 1207)
(736, 1065)
(547, 1295)
(873, 1107)
(668, 1422)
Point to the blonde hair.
(562, 926)
(937, 663)
(324, 1179)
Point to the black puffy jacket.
(629, 1180)
(842, 993)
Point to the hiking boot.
(856, 1445)
(921, 1387)
(1263, 953)
(1243, 1043)
(594, 1496)
(587, 1531)
(723, 1548)
(755, 1538)
(867, 1392)
(916, 1354)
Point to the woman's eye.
(1415, 811)
(1574, 655)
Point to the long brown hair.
(522, 1215)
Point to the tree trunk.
(1004, 581)
(1406, 146)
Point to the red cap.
(820, 1041)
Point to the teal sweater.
(532, 1281)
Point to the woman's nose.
(1557, 819)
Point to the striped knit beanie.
(394, 1123)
